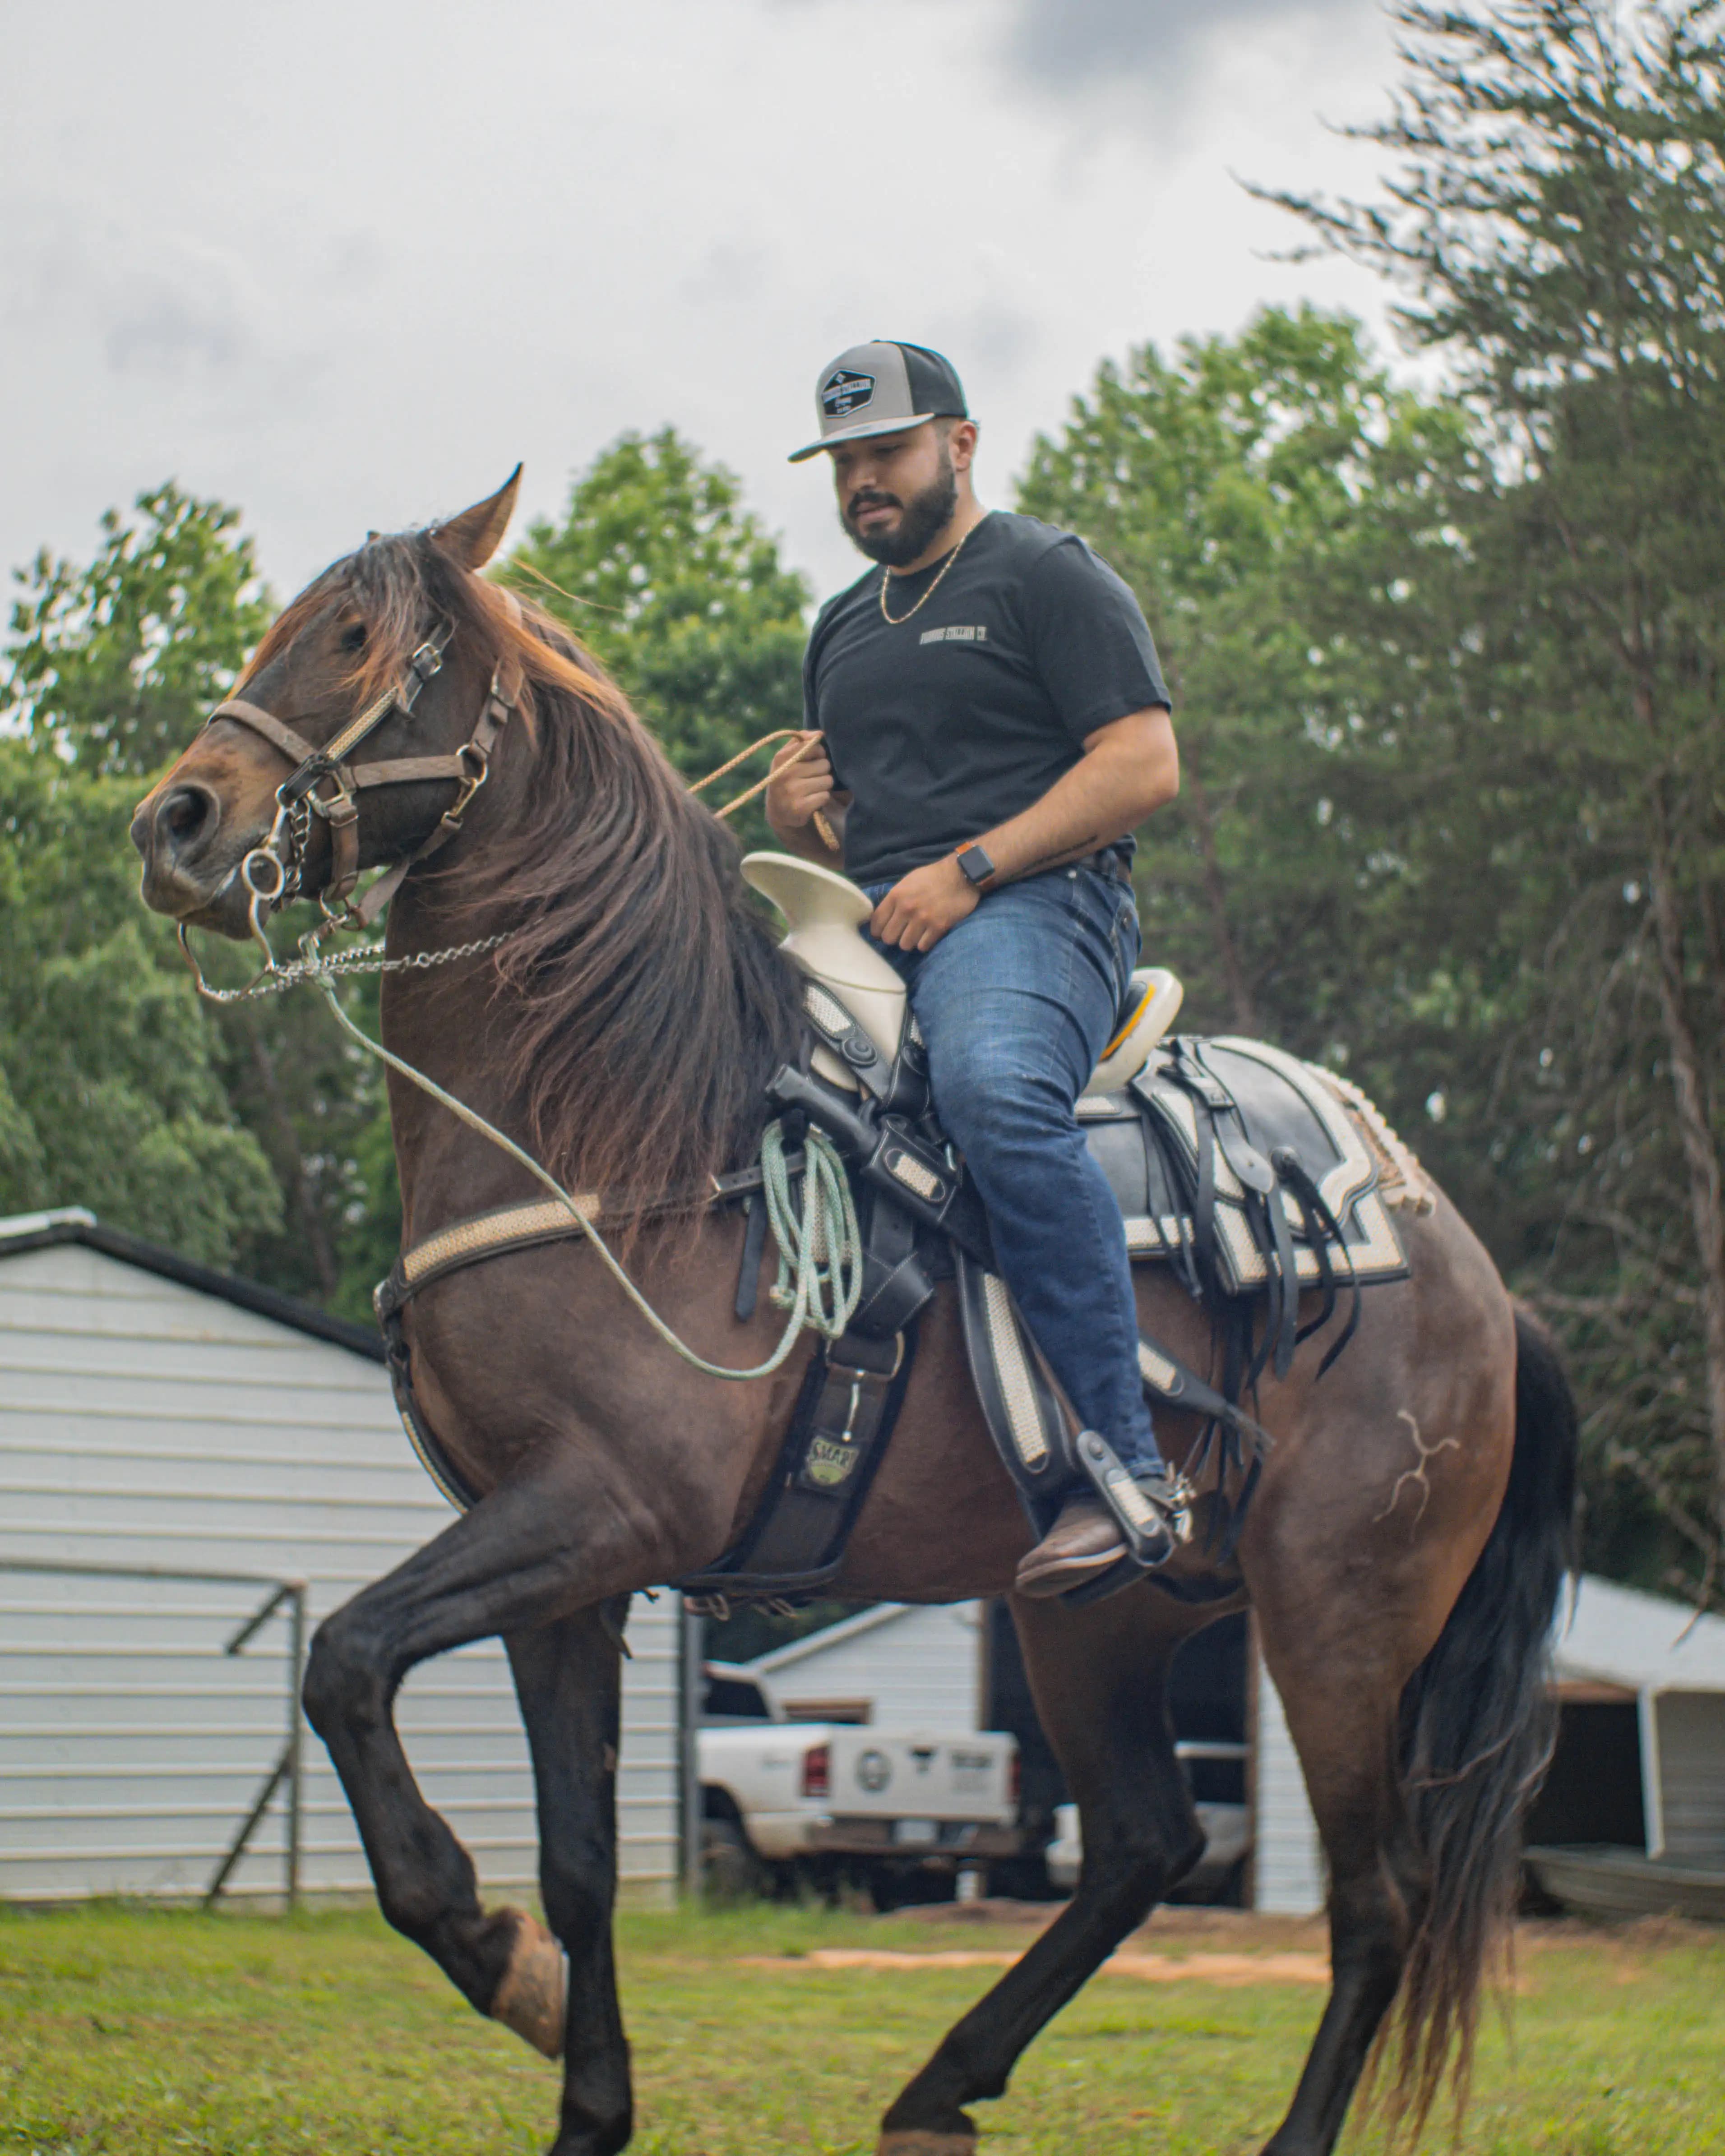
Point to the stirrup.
(1154, 1511)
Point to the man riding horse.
(991, 725)
(588, 921)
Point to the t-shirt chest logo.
(953, 635)
(843, 393)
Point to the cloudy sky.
(344, 261)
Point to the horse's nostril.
(185, 816)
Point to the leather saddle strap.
(841, 1033)
(748, 1270)
(1017, 1398)
(421, 1436)
(1322, 1230)
(1250, 1165)
(1285, 1304)
(1168, 1379)
(839, 1433)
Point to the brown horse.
(1403, 1553)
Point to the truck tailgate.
(881, 1773)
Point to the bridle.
(323, 785)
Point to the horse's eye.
(353, 636)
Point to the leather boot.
(1083, 1543)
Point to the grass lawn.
(128, 2029)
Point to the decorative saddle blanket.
(1244, 1168)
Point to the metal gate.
(136, 1755)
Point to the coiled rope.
(820, 1255)
(820, 1273)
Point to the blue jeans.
(1016, 1004)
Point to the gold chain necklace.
(893, 620)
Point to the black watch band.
(975, 864)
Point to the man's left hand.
(921, 906)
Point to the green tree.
(681, 591)
(117, 660)
(111, 1093)
(1554, 227)
(1281, 511)
(232, 1135)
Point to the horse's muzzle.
(188, 859)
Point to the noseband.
(323, 785)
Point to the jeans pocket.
(1127, 939)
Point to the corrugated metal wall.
(920, 1668)
(144, 1423)
(1690, 1754)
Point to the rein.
(820, 1270)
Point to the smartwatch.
(975, 864)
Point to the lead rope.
(820, 1257)
(828, 837)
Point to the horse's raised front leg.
(1098, 1679)
(567, 1678)
(531, 1554)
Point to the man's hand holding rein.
(802, 789)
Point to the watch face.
(975, 864)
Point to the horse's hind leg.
(566, 1677)
(1098, 1678)
(1342, 1714)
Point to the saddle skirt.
(1247, 1106)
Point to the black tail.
(1478, 1723)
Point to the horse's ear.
(473, 536)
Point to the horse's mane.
(645, 1004)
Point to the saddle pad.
(1147, 1141)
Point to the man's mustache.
(860, 502)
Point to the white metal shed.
(158, 1418)
(1615, 1643)
(898, 1666)
(1652, 1660)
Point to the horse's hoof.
(533, 1997)
(912, 2141)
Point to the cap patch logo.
(843, 393)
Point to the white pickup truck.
(899, 1811)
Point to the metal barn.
(1641, 1695)
(191, 1464)
(1639, 1762)
(898, 1666)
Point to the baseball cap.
(879, 387)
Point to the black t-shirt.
(944, 724)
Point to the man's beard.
(925, 516)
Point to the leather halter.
(324, 783)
